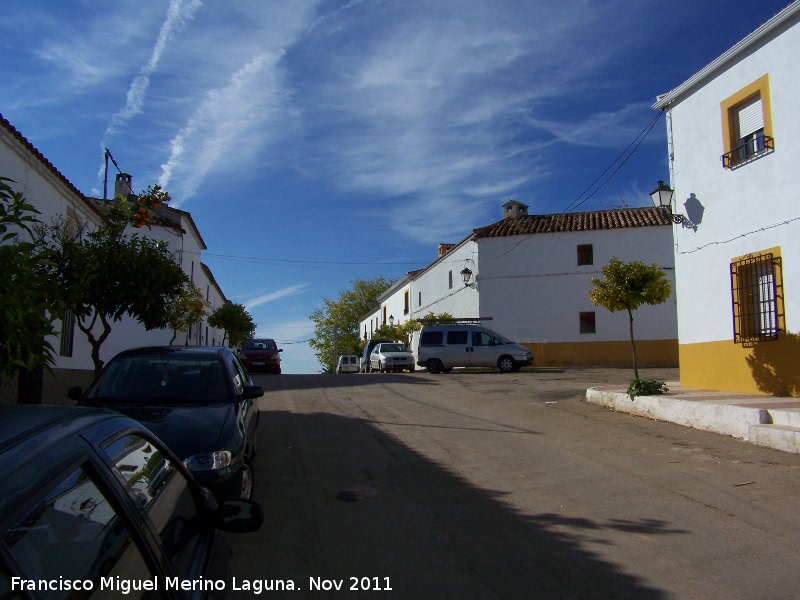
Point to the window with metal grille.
(756, 290)
(67, 333)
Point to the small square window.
(587, 322)
(585, 254)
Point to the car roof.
(186, 351)
(19, 422)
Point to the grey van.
(444, 346)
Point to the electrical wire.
(641, 137)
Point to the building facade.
(733, 138)
(55, 197)
(531, 274)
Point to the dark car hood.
(187, 430)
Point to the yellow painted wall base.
(763, 368)
(649, 353)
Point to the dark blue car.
(91, 502)
(200, 401)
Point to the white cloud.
(429, 107)
(224, 129)
(603, 129)
(276, 295)
(178, 13)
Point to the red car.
(261, 355)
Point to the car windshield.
(393, 348)
(151, 379)
(259, 345)
(500, 338)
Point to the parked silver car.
(391, 357)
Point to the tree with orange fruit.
(111, 272)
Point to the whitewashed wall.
(55, 199)
(40, 186)
(431, 290)
(534, 290)
(745, 210)
(393, 304)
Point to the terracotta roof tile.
(618, 218)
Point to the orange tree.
(626, 286)
(108, 273)
(186, 309)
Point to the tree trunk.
(633, 346)
(95, 342)
(29, 386)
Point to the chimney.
(122, 186)
(513, 209)
(444, 249)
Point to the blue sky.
(316, 142)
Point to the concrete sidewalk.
(762, 420)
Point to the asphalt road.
(482, 485)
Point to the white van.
(348, 363)
(444, 346)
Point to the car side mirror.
(252, 391)
(280, 349)
(238, 515)
(75, 393)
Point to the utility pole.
(105, 174)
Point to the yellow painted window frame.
(729, 106)
(777, 266)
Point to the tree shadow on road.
(345, 499)
(308, 382)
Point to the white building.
(532, 275)
(50, 192)
(734, 137)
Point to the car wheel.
(506, 364)
(434, 366)
(246, 481)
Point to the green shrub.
(646, 387)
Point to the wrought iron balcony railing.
(753, 149)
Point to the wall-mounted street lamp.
(662, 198)
(391, 320)
(466, 275)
